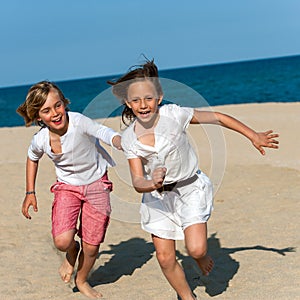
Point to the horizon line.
(161, 70)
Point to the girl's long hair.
(146, 71)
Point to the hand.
(117, 142)
(265, 139)
(30, 200)
(158, 176)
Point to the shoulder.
(74, 117)
(79, 120)
(128, 135)
(40, 138)
(177, 113)
(175, 108)
(129, 131)
(41, 134)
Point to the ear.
(160, 99)
(127, 103)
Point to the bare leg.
(87, 258)
(65, 242)
(196, 244)
(166, 256)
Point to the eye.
(45, 111)
(136, 100)
(59, 104)
(149, 98)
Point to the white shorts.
(167, 215)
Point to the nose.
(54, 111)
(143, 103)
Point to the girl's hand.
(265, 139)
(158, 176)
(30, 200)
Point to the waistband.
(171, 186)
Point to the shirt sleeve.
(128, 144)
(35, 150)
(99, 131)
(183, 115)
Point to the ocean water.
(256, 81)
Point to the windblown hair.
(147, 71)
(35, 99)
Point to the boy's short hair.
(35, 99)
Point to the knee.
(166, 260)
(90, 250)
(197, 252)
(62, 244)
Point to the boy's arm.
(30, 198)
(258, 139)
(101, 132)
(141, 184)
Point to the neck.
(58, 132)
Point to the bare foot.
(87, 290)
(67, 267)
(205, 264)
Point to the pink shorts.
(91, 203)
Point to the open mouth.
(57, 121)
(144, 114)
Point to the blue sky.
(62, 40)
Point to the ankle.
(80, 280)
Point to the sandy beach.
(253, 233)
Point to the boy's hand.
(265, 139)
(30, 200)
(117, 142)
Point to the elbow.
(137, 186)
(218, 118)
(138, 189)
(142, 187)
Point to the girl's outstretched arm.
(258, 139)
(30, 199)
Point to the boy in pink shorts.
(71, 141)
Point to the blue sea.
(255, 81)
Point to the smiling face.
(53, 113)
(143, 99)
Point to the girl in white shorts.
(177, 197)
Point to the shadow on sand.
(225, 266)
(134, 253)
(126, 257)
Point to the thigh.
(196, 237)
(95, 214)
(65, 211)
(196, 202)
(164, 246)
(97, 197)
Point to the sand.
(253, 234)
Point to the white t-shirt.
(82, 160)
(172, 148)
